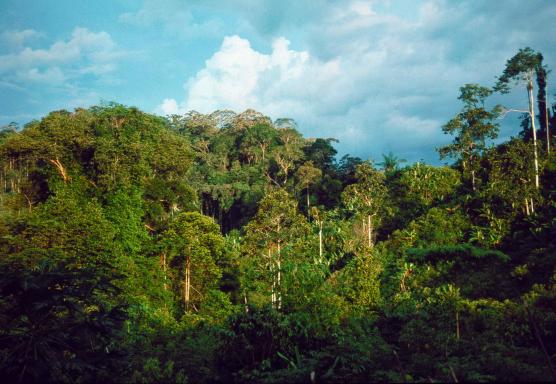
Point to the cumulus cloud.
(170, 107)
(239, 77)
(376, 75)
(358, 97)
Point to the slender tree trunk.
(473, 180)
(273, 289)
(308, 203)
(369, 231)
(163, 264)
(320, 241)
(527, 207)
(532, 206)
(29, 203)
(534, 129)
(12, 179)
(245, 302)
(58, 164)
(363, 236)
(279, 293)
(187, 284)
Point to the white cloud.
(15, 39)
(94, 48)
(170, 107)
(175, 16)
(52, 75)
(378, 75)
(82, 98)
(239, 77)
(369, 97)
(64, 74)
(166, 11)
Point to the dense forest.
(229, 248)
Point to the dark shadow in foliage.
(160, 353)
(532, 244)
(255, 338)
(477, 272)
(57, 324)
(356, 353)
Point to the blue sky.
(378, 75)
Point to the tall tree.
(522, 68)
(256, 141)
(194, 247)
(288, 153)
(471, 127)
(544, 118)
(307, 175)
(367, 197)
(271, 237)
(509, 179)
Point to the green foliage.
(359, 283)
(520, 67)
(58, 323)
(437, 227)
(426, 185)
(67, 224)
(510, 177)
(255, 339)
(314, 306)
(142, 249)
(273, 238)
(472, 127)
(194, 247)
(477, 272)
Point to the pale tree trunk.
(527, 207)
(532, 115)
(363, 236)
(263, 150)
(29, 203)
(187, 283)
(273, 294)
(320, 241)
(369, 231)
(532, 206)
(12, 179)
(245, 303)
(471, 165)
(279, 264)
(163, 264)
(58, 164)
(308, 203)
